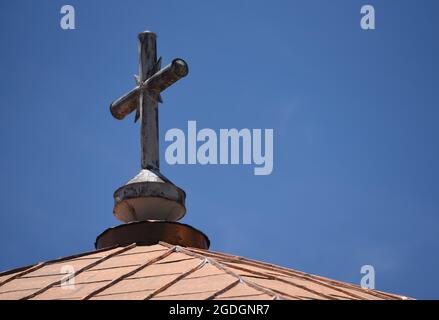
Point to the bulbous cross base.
(149, 196)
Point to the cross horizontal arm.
(166, 77)
(126, 104)
(158, 82)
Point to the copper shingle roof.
(165, 271)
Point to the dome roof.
(165, 271)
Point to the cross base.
(149, 196)
(152, 232)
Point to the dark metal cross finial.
(144, 98)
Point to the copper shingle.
(165, 271)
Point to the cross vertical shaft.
(148, 104)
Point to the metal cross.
(144, 98)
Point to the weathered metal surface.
(149, 195)
(166, 77)
(126, 104)
(158, 82)
(148, 105)
(150, 233)
(145, 96)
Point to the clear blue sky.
(355, 118)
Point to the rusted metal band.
(153, 232)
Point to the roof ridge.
(224, 290)
(303, 278)
(273, 277)
(314, 278)
(73, 256)
(174, 281)
(24, 272)
(220, 266)
(124, 276)
(52, 284)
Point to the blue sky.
(354, 113)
